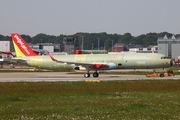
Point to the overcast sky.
(55, 17)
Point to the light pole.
(82, 43)
(98, 42)
(112, 45)
(70, 48)
(41, 46)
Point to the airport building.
(6, 46)
(169, 46)
(47, 46)
(68, 46)
(149, 49)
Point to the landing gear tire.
(95, 74)
(86, 75)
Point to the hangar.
(169, 46)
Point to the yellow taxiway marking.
(91, 80)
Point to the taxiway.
(64, 76)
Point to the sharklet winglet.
(52, 58)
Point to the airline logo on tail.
(21, 47)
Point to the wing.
(86, 65)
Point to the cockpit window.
(165, 57)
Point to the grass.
(144, 99)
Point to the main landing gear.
(95, 74)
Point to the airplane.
(91, 62)
(91, 52)
(9, 53)
(5, 57)
(40, 51)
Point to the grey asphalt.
(63, 76)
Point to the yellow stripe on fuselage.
(17, 50)
(153, 58)
(36, 61)
(80, 58)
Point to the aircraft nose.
(172, 62)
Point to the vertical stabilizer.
(21, 47)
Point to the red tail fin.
(21, 47)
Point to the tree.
(108, 44)
(125, 39)
(1, 37)
(27, 38)
(91, 39)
